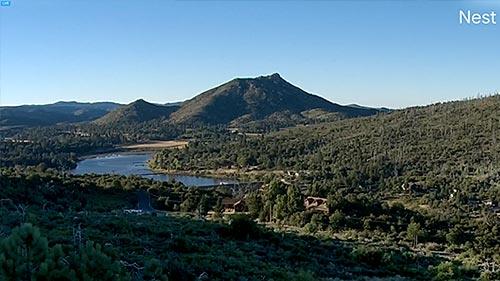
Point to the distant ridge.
(55, 113)
(264, 102)
(381, 109)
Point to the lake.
(136, 164)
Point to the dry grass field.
(153, 145)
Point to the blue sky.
(375, 53)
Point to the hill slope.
(51, 114)
(432, 145)
(241, 101)
(137, 111)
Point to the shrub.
(243, 227)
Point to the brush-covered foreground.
(56, 227)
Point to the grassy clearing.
(153, 145)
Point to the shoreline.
(194, 173)
(219, 173)
(147, 148)
(111, 152)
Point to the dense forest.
(431, 151)
(413, 140)
(411, 194)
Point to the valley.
(249, 140)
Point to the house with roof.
(233, 205)
(317, 204)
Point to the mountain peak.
(274, 76)
(139, 101)
(140, 104)
(137, 111)
(252, 99)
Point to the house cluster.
(494, 207)
(78, 133)
(238, 205)
(8, 139)
(414, 187)
(81, 134)
(232, 206)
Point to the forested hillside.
(408, 145)
(433, 151)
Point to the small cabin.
(233, 205)
(316, 204)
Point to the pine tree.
(154, 271)
(22, 253)
(295, 202)
(91, 263)
(413, 232)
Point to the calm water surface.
(136, 164)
